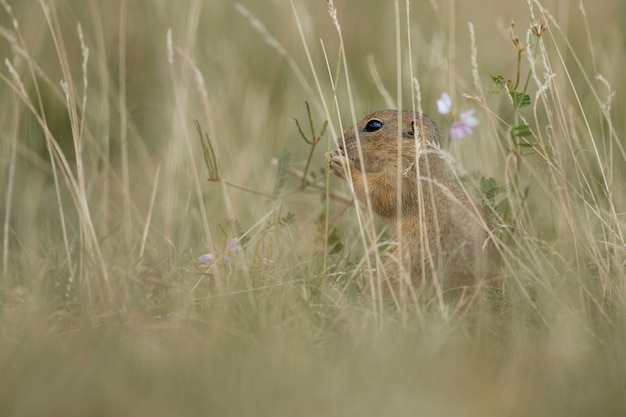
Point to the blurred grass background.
(105, 207)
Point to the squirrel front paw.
(339, 162)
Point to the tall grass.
(106, 207)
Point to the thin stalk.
(124, 122)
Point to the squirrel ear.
(410, 134)
(416, 131)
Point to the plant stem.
(308, 164)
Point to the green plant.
(520, 132)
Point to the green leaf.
(233, 228)
(520, 99)
(288, 218)
(502, 207)
(490, 188)
(210, 159)
(487, 186)
(335, 245)
(500, 82)
(521, 131)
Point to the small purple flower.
(234, 246)
(444, 104)
(227, 262)
(206, 259)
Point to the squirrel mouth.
(353, 158)
(355, 161)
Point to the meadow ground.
(137, 136)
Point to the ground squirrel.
(442, 231)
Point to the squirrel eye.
(373, 125)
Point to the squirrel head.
(382, 133)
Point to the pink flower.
(459, 128)
(462, 128)
(468, 118)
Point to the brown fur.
(442, 232)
